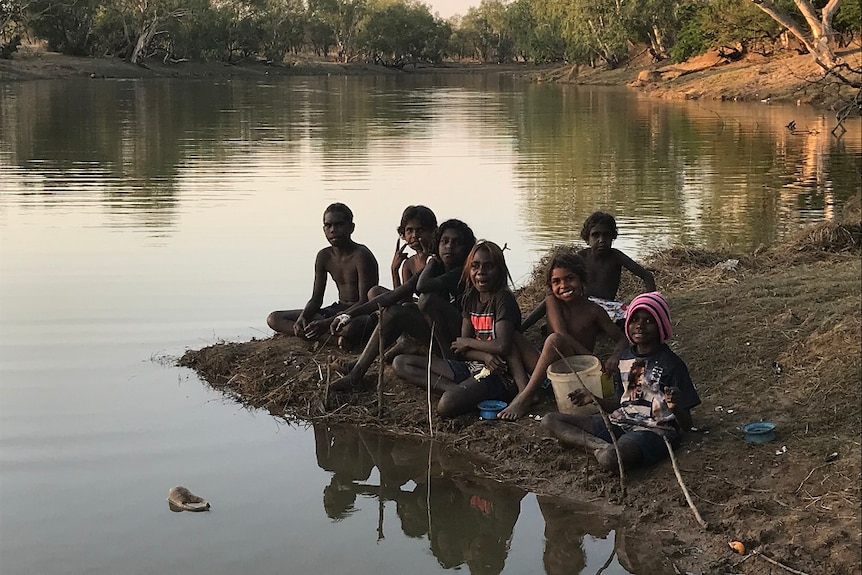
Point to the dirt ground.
(778, 337)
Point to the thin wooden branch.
(682, 483)
(381, 360)
(779, 564)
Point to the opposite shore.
(780, 78)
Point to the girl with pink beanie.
(654, 395)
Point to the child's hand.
(496, 364)
(339, 322)
(299, 327)
(670, 395)
(400, 256)
(461, 345)
(316, 328)
(581, 397)
(612, 364)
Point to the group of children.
(452, 295)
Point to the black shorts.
(651, 443)
(332, 310)
(496, 386)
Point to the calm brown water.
(140, 218)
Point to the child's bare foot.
(347, 383)
(517, 409)
(607, 457)
(402, 345)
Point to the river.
(141, 218)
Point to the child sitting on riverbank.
(574, 322)
(417, 229)
(488, 365)
(604, 266)
(351, 265)
(656, 399)
(440, 282)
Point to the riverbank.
(775, 336)
(786, 77)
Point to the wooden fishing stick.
(382, 362)
(682, 484)
(605, 419)
(428, 392)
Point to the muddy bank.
(775, 336)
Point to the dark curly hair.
(595, 219)
(568, 261)
(338, 207)
(421, 213)
(463, 230)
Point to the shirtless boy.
(351, 265)
(605, 265)
(575, 323)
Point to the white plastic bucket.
(566, 376)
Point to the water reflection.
(466, 520)
(705, 173)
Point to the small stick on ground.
(779, 564)
(328, 381)
(605, 419)
(682, 484)
(381, 360)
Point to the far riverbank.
(781, 78)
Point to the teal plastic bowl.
(759, 431)
(489, 408)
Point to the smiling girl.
(490, 318)
(575, 323)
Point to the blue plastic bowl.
(759, 431)
(489, 408)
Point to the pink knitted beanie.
(656, 305)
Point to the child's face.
(601, 238)
(643, 329)
(452, 248)
(566, 285)
(484, 273)
(418, 237)
(337, 228)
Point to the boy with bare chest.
(351, 265)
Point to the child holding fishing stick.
(656, 399)
(575, 324)
(486, 364)
(437, 285)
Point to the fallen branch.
(779, 564)
(682, 484)
(382, 361)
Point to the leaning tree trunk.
(820, 40)
(145, 36)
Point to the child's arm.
(367, 274)
(638, 270)
(610, 329)
(434, 278)
(500, 346)
(538, 313)
(386, 299)
(319, 288)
